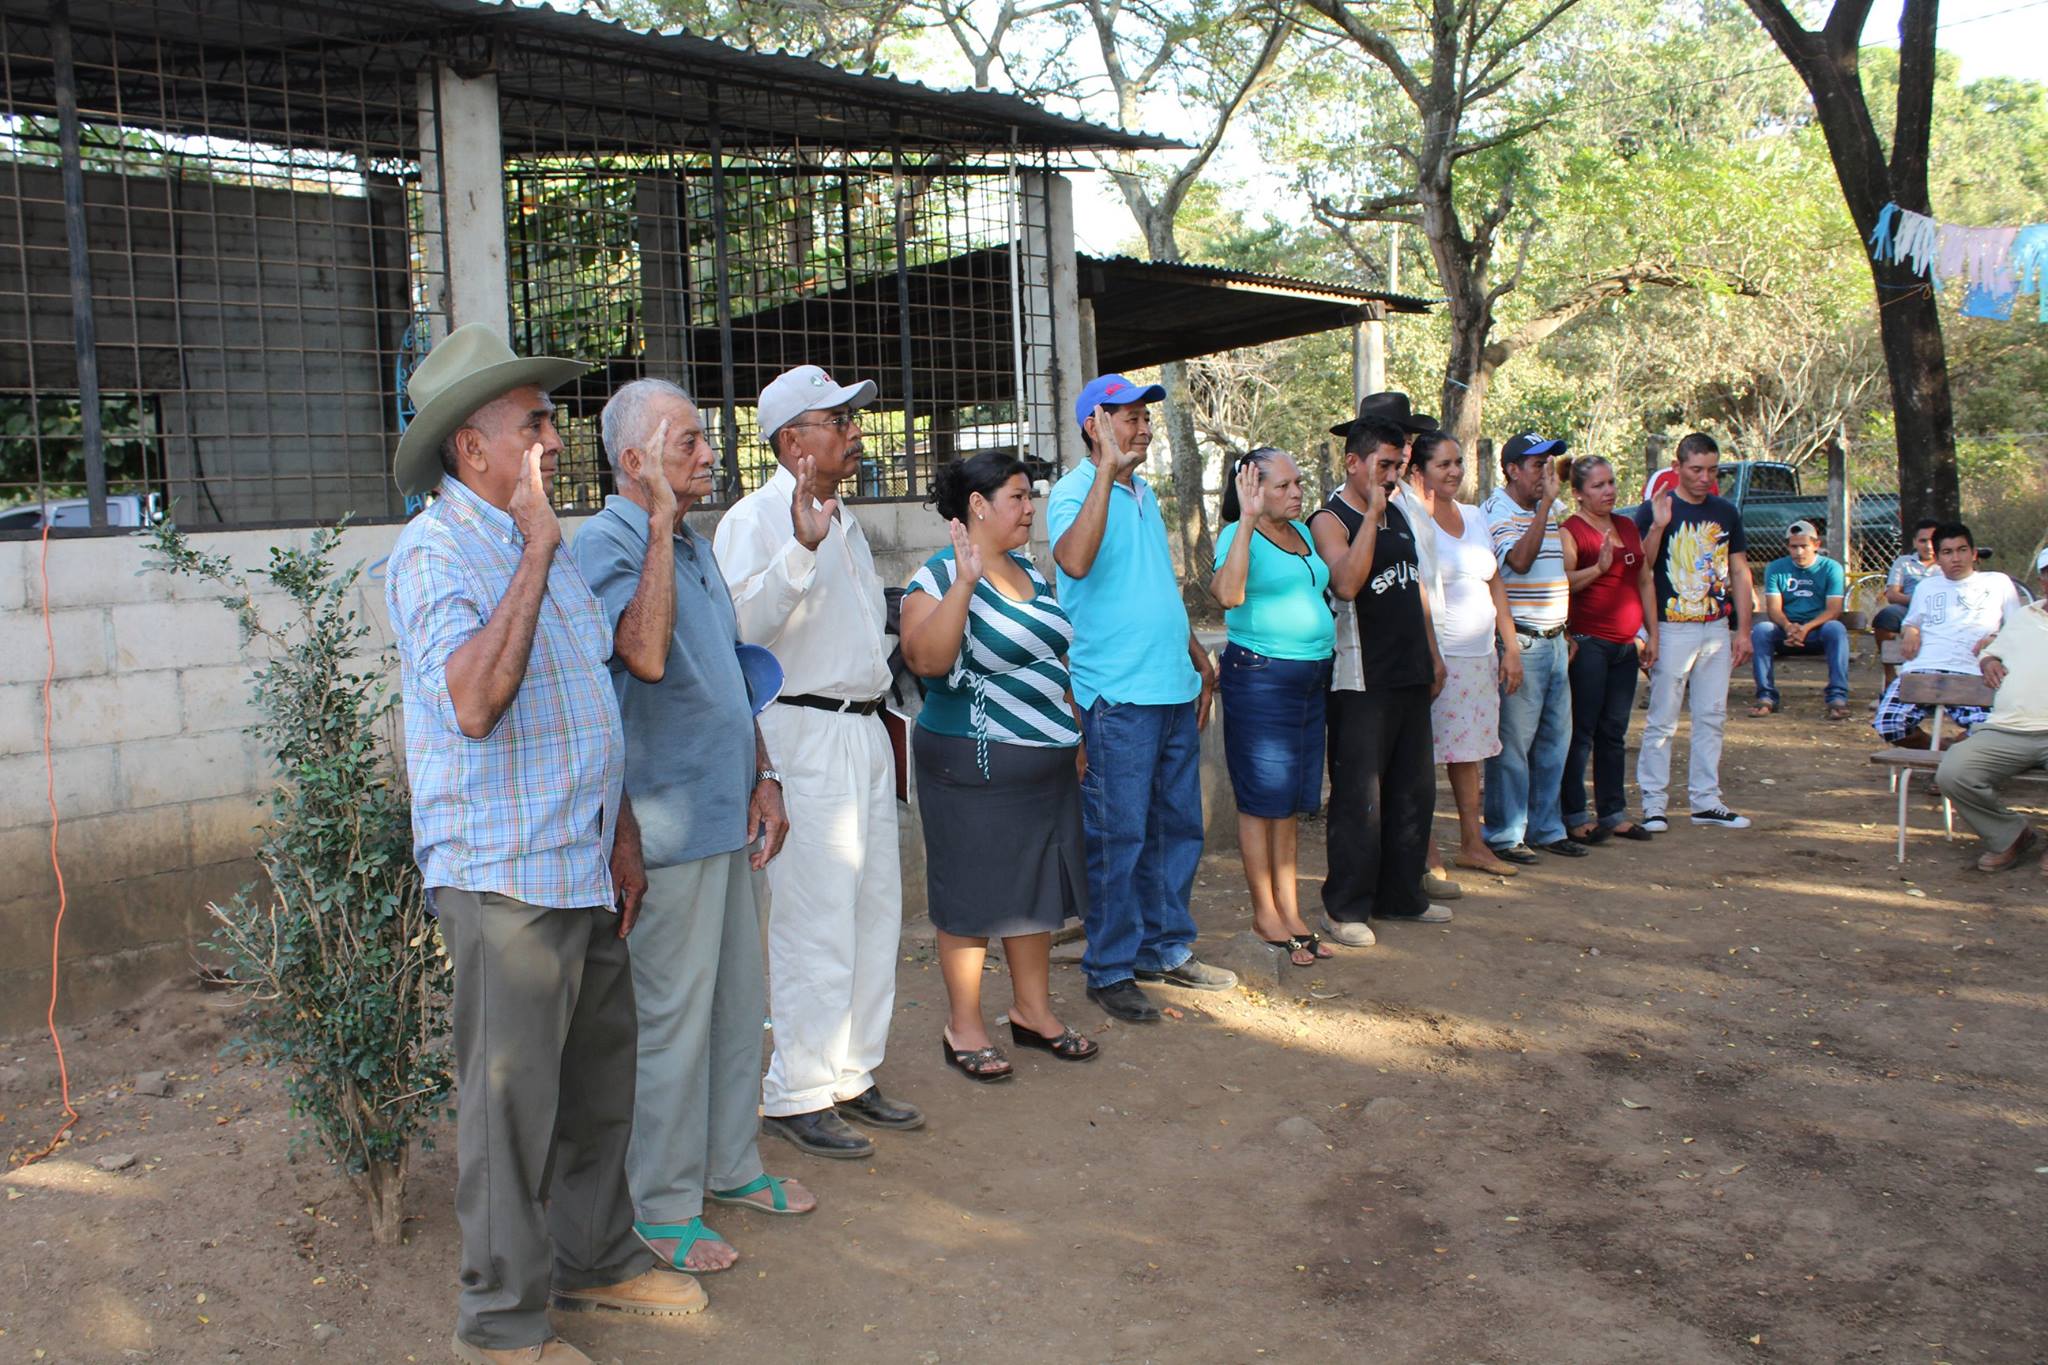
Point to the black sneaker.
(1514, 853)
(1564, 848)
(1123, 1000)
(1722, 816)
(821, 1133)
(1193, 975)
(877, 1110)
(1655, 824)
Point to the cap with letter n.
(1112, 391)
(1528, 445)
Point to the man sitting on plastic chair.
(2012, 740)
(1949, 618)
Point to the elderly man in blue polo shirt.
(1143, 685)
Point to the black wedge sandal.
(985, 1064)
(1068, 1047)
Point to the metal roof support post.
(469, 161)
(1052, 318)
(721, 283)
(84, 333)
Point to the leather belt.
(816, 703)
(1548, 633)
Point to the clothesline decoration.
(1994, 264)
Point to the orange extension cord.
(50, 791)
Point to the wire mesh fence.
(225, 241)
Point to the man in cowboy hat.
(804, 584)
(516, 755)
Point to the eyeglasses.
(839, 423)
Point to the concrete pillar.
(462, 164)
(1369, 353)
(1091, 364)
(664, 285)
(1653, 457)
(1051, 283)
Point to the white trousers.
(1695, 653)
(835, 908)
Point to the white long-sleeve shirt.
(821, 612)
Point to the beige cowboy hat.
(471, 367)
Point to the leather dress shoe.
(554, 1351)
(1194, 975)
(877, 1110)
(1123, 1000)
(1564, 848)
(1516, 853)
(821, 1133)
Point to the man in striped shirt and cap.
(1524, 780)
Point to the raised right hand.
(1108, 454)
(1606, 555)
(1375, 500)
(1660, 510)
(966, 555)
(653, 477)
(810, 518)
(530, 509)
(1250, 494)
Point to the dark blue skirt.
(1273, 731)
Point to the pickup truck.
(1768, 495)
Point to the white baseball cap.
(807, 389)
(2041, 560)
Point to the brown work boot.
(652, 1293)
(555, 1352)
(1999, 862)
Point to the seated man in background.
(1803, 592)
(2011, 740)
(1950, 616)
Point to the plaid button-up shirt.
(528, 810)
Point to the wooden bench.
(1940, 691)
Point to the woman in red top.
(1613, 627)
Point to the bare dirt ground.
(1724, 1097)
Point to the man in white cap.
(516, 755)
(2013, 739)
(805, 586)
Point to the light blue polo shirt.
(1130, 625)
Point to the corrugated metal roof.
(1252, 279)
(1037, 127)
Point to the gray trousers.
(544, 1074)
(1971, 771)
(698, 988)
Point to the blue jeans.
(1141, 806)
(1767, 640)
(1524, 780)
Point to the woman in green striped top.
(997, 755)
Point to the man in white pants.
(804, 584)
(1693, 539)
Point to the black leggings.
(1603, 676)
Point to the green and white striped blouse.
(1009, 683)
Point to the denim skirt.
(1273, 731)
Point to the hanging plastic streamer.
(1995, 264)
(2030, 264)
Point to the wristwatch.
(767, 775)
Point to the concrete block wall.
(158, 789)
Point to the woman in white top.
(1471, 613)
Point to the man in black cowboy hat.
(516, 756)
(1392, 408)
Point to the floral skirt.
(1464, 720)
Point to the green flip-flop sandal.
(759, 1183)
(685, 1235)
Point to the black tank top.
(1393, 642)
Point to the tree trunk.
(383, 1190)
(1908, 323)
(1467, 375)
(1197, 545)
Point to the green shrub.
(340, 967)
